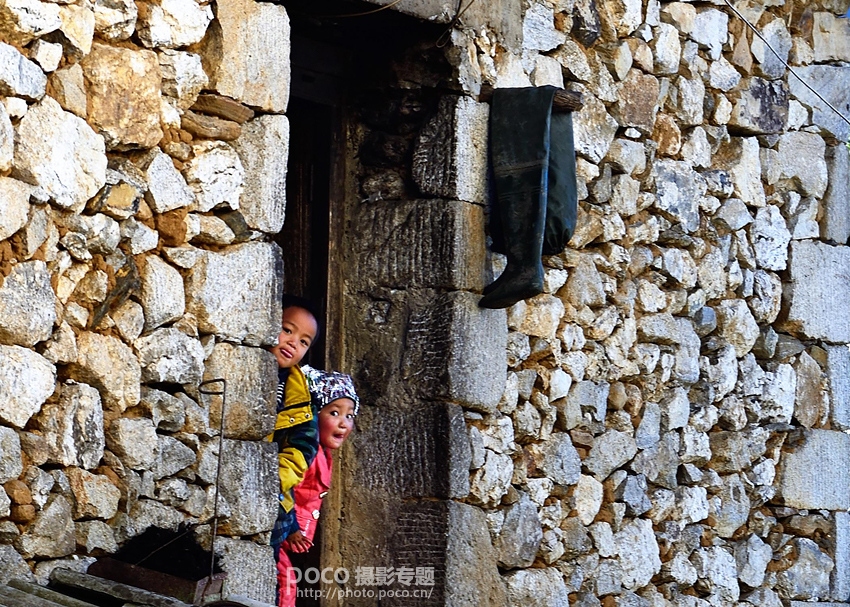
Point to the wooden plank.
(131, 594)
(223, 107)
(46, 593)
(210, 127)
(564, 101)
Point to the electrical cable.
(790, 69)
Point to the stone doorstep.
(20, 593)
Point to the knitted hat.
(328, 386)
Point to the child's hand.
(299, 543)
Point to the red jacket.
(310, 492)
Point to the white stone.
(140, 237)
(638, 552)
(490, 482)
(169, 356)
(609, 452)
(162, 295)
(588, 497)
(536, 587)
(60, 153)
(752, 557)
(183, 76)
(27, 305)
(710, 31)
(817, 291)
(740, 157)
(236, 294)
(593, 129)
(815, 475)
(134, 441)
(115, 19)
(770, 237)
(11, 464)
(680, 189)
(247, 55)
(667, 49)
(722, 75)
(14, 205)
(736, 324)
(215, 174)
(47, 54)
(538, 29)
(801, 160)
(172, 23)
(263, 148)
(543, 316)
(779, 38)
(77, 29)
(109, 365)
(718, 570)
(26, 381)
(691, 504)
(24, 20)
(167, 188)
(20, 77)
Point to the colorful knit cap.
(328, 386)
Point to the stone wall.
(672, 429)
(136, 261)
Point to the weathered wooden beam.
(223, 107)
(564, 101)
(210, 127)
(46, 593)
(74, 579)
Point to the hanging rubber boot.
(519, 132)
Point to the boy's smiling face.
(298, 332)
(336, 421)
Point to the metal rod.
(223, 393)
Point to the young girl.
(338, 405)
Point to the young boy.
(295, 431)
(338, 405)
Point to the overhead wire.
(785, 63)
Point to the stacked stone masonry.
(673, 425)
(136, 260)
(665, 426)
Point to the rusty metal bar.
(223, 393)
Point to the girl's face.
(336, 421)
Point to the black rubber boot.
(519, 136)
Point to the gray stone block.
(815, 298)
(430, 458)
(456, 351)
(840, 582)
(423, 243)
(471, 577)
(450, 159)
(237, 294)
(815, 473)
(263, 148)
(250, 568)
(835, 223)
(251, 375)
(838, 373)
(250, 485)
(833, 83)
